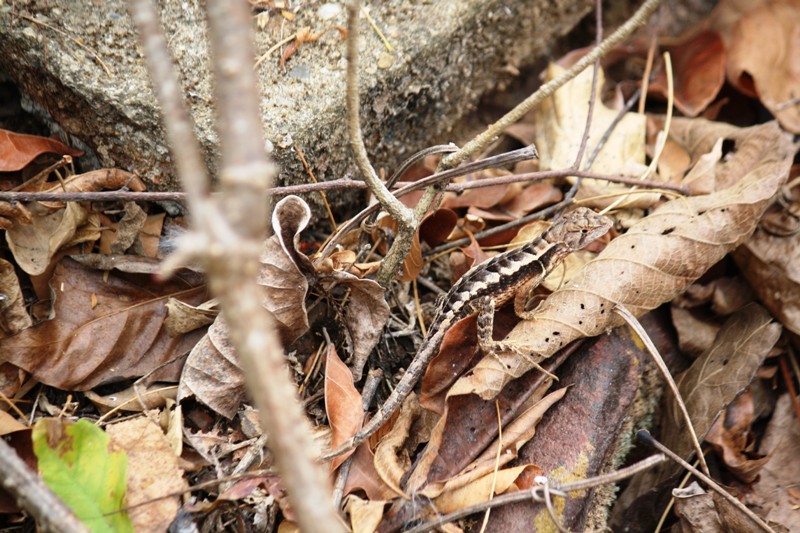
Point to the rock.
(83, 68)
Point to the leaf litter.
(709, 255)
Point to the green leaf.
(76, 463)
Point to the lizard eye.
(584, 230)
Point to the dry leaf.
(365, 515)
(696, 511)
(732, 439)
(122, 337)
(698, 64)
(771, 264)
(212, 373)
(13, 315)
(34, 244)
(759, 36)
(154, 396)
(154, 476)
(364, 477)
(389, 466)
(717, 376)
(19, 149)
(343, 403)
(564, 117)
(183, 317)
(772, 497)
(656, 259)
(128, 228)
(365, 315)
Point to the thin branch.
(636, 326)
(546, 90)
(646, 438)
(405, 187)
(228, 232)
(406, 221)
(502, 159)
(30, 492)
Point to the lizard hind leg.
(492, 347)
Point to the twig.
(30, 492)
(227, 236)
(646, 438)
(340, 184)
(527, 495)
(498, 160)
(598, 17)
(546, 90)
(406, 221)
(376, 29)
(71, 38)
(636, 326)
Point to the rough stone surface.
(446, 55)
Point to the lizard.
(484, 286)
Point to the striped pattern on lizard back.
(497, 279)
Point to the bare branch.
(34, 496)
(229, 231)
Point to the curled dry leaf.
(732, 438)
(11, 214)
(121, 337)
(19, 149)
(183, 318)
(34, 244)
(657, 258)
(722, 372)
(13, 315)
(212, 372)
(773, 496)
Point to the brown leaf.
(564, 117)
(698, 63)
(212, 373)
(183, 318)
(95, 180)
(436, 226)
(772, 496)
(365, 315)
(34, 244)
(696, 510)
(363, 476)
(154, 476)
(717, 376)
(13, 315)
(731, 437)
(343, 403)
(656, 259)
(128, 228)
(770, 264)
(758, 36)
(18, 149)
(122, 337)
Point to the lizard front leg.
(491, 347)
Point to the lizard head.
(578, 228)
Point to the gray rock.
(80, 64)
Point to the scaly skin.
(498, 280)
